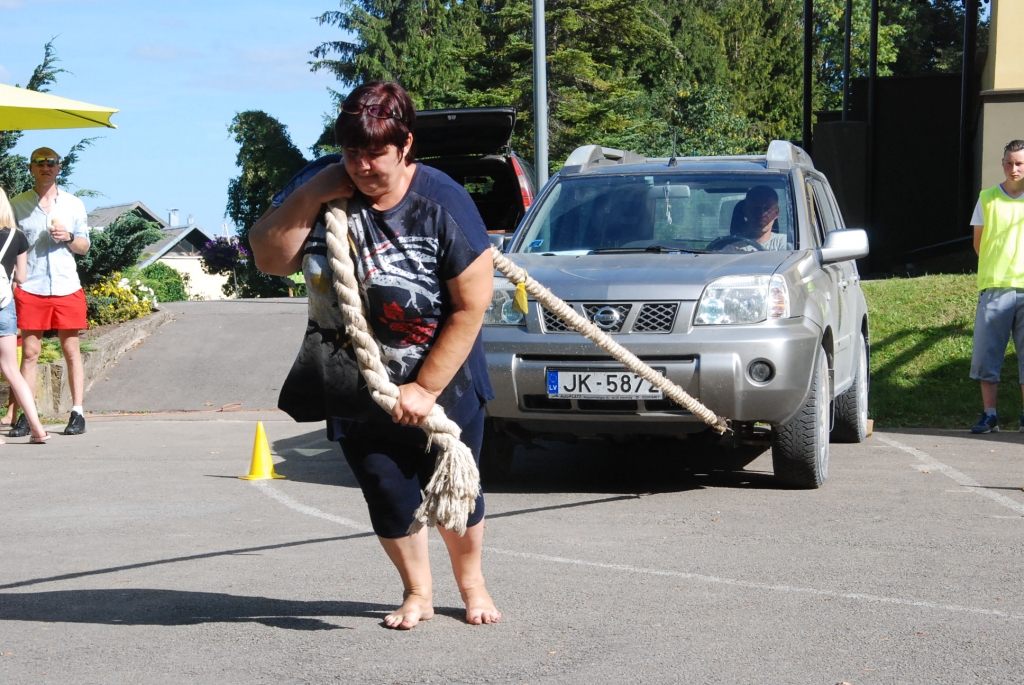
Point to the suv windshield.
(724, 212)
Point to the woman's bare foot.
(415, 608)
(479, 606)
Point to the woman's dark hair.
(356, 128)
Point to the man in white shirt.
(54, 221)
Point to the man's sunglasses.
(375, 111)
(47, 161)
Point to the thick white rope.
(450, 496)
(587, 329)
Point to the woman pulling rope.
(424, 277)
(410, 227)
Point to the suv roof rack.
(783, 154)
(590, 156)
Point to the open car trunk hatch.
(464, 131)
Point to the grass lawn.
(921, 341)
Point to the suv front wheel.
(800, 446)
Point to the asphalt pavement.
(134, 554)
(215, 353)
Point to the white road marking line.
(758, 586)
(264, 486)
(935, 466)
(273, 493)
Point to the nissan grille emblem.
(607, 317)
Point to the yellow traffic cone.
(262, 466)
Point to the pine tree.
(267, 159)
(416, 44)
(14, 175)
(116, 247)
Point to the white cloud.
(161, 52)
(263, 70)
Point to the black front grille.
(552, 324)
(661, 405)
(656, 317)
(545, 402)
(607, 405)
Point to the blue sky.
(178, 70)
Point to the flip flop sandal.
(33, 440)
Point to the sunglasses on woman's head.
(375, 111)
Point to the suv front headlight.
(743, 299)
(501, 311)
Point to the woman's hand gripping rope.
(450, 496)
(553, 304)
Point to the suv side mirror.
(840, 246)
(500, 240)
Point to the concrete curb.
(53, 393)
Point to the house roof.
(102, 217)
(172, 236)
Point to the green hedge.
(168, 284)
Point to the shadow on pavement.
(310, 458)
(176, 560)
(599, 467)
(622, 469)
(134, 607)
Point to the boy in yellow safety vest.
(999, 241)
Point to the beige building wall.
(1002, 120)
(201, 284)
(1004, 69)
(1002, 91)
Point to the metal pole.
(872, 64)
(808, 64)
(846, 59)
(869, 180)
(967, 86)
(540, 93)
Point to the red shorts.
(48, 312)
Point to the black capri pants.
(392, 466)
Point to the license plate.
(601, 384)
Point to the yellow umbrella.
(22, 109)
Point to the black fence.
(902, 181)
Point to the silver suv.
(733, 276)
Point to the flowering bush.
(222, 255)
(118, 299)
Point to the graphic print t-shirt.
(404, 256)
(19, 245)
